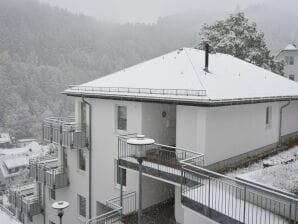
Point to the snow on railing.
(220, 197)
(139, 91)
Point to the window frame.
(117, 175)
(290, 60)
(292, 77)
(117, 118)
(81, 154)
(79, 197)
(268, 116)
(52, 193)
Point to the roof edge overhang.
(186, 102)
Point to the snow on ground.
(282, 175)
(7, 218)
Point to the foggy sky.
(148, 11)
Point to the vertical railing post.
(209, 194)
(121, 190)
(244, 206)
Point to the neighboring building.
(289, 56)
(14, 164)
(5, 140)
(221, 110)
(24, 142)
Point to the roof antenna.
(206, 57)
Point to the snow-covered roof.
(25, 140)
(4, 138)
(16, 162)
(291, 47)
(180, 76)
(7, 217)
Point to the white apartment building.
(289, 56)
(203, 110)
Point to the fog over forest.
(43, 49)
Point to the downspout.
(90, 159)
(280, 122)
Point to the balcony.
(161, 161)
(25, 200)
(65, 132)
(227, 200)
(46, 170)
(113, 212)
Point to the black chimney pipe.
(207, 57)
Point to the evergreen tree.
(238, 37)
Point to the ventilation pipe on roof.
(207, 57)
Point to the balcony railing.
(65, 132)
(46, 170)
(227, 200)
(114, 211)
(161, 160)
(25, 199)
(31, 205)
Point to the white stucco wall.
(191, 128)
(290, 117)
(154, 125)
(191, 217)
(234, 130)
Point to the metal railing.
(65, 132)
(228, 200)
(134, 91)
(46, 170)
(160, 158)
(24, 199)
(117, 211)
(128, 202)
(32, 205)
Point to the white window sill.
(117, 186)
(82, 219)
(81, 172)
(268, 126)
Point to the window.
(117, 174)
(268, 115)
(289, 60)
(52, 194)
(83, 113)
(82, 206)
(81, 160)
(122, 118)
(292, 77)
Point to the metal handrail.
(132, 90)
(218, 175)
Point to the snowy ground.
(282, 173)
(6, 218)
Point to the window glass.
(123, 175)
(82, 206)
(81, 160)
(122, 118)
(292, 77)
(52, 194)
(289, 60)
(268, 115)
